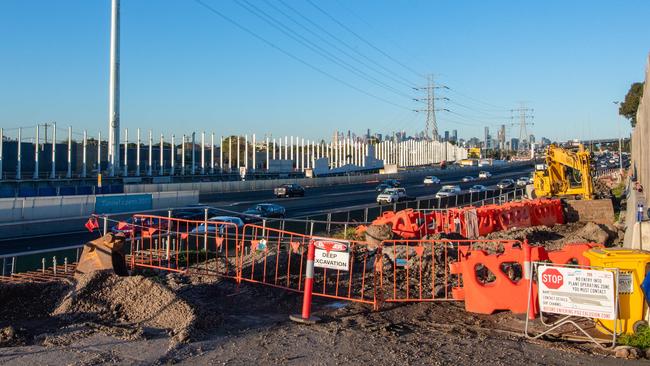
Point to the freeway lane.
(316, 200)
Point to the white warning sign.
(332, 254)
(580, 292)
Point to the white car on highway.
(477, 188)
(392, 195)
(446, 191)
(430, 179)
(484, 175)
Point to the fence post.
(329, 222)
(205, 236)
(105, 224)
(365, 214)
(54, 264)
(169, 230)
(306, 317)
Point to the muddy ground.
(195, 319)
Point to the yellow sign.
(99, 180)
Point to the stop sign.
(552, 278)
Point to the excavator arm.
(566, 173)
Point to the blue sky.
(186, 69)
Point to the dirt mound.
(555, 237)
(133, 302)
(21, 301)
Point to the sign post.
(322, 253)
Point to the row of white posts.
(302, 153)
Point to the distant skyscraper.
(486, 138)
(454, 135)
(514, 144)
(531, 139)
(446, 136)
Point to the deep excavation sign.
(332, 254)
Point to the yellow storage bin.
(633, 265)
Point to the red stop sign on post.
(552, 278)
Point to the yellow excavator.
(565, 173)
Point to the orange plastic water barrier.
(180, 245)
(278, 258)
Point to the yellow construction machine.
(565, 173)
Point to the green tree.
(629, 107)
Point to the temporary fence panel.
(278, 258)
(179, 245)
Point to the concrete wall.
(43, 208)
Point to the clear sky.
(308, 70)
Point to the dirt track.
(198, 320)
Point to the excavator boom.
(566, 173)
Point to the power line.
(387, 72)
(314, 47)
(363, 39)
(498, 108)
(294, 57)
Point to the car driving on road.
(381, 187)
(522, 181)
(220, 224)
(506, 183)
(430, 179)
(477, 188)
(484, 175)
(264, 211)
(392, 195)
(289, 190)
(449, 190)
(467, 179)
(392, 182)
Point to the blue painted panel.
(47, 191)
(123, 203)
(67, 191)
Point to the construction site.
(384, 291)
(305, 250)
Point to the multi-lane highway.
(316, 200)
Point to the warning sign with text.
(579, 292)
(332, 254)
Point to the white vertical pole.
(18, 154)
(36, 148)
(292, 160)
(53, 172)
(268, 145)
(84, 160)
(172, 156)
(137, 153)
(302, 156)
(162, 156)
(254, 154)
(246, 151)
(150, 166)
(114, 89)
(230, 154)
(183, 155)
(238, 162)
(212, 153)
(274, 147)
(221, 154)
(126, 151)
(203, 153)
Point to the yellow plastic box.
(633, 265)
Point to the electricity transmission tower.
(523, 113)
(431, 128)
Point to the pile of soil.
(138, 303)
(556, 236)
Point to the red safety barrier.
(498, 281)
(278, 258)
(179, 245)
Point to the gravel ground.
(195, 319)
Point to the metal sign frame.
(570, 319)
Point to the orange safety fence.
(179, 245)
(278, 258)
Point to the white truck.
(392, 195)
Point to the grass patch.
(619, 190)
(640, 340)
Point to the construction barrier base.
(309, 321)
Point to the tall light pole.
(114, 90)
(620, 150)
